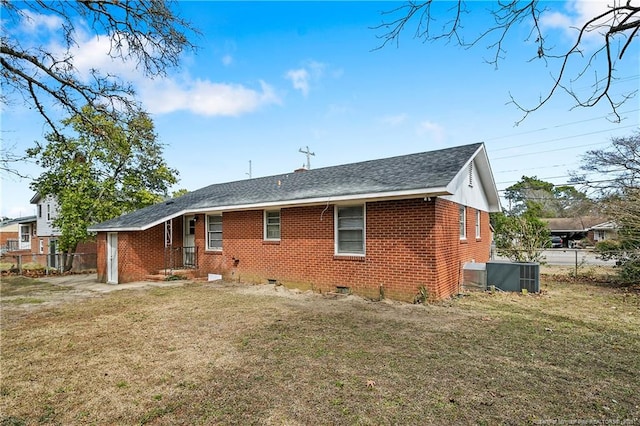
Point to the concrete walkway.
(89, 282)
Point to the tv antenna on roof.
(308, 154)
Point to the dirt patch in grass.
(228, 353)
(19, 286)
(20, 296)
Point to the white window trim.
(364, 230)
(462, 220)
(478, 231)
(264, 225)
(25, 237)
(207, 234)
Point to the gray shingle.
(424, 170)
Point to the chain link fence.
(47, 264)
(572, 260)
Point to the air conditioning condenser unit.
(514, 276)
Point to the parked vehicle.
(556, 242)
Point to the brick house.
(394, 224)
(45, 237)
(17, 235)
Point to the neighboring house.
(48, 235)
(393, 225)
(603, 231)
(576, 228)
(18, 235)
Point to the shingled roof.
(573, 224)
(422, 174)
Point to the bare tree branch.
(147, 33)
(619, 22)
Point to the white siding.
(468, 189)
(45, 225)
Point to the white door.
(112, 258)
(189, 241)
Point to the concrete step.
(163, 274)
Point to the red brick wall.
(140, 253)
(101, 250)
(409, 244)
(453, 252)
(6, 236)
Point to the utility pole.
(308, 154)
(249, 170)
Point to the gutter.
(383, 196)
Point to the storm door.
(189, 242)
(112, 258)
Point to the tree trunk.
(67, 259)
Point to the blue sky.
(271, 78)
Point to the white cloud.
(310, 73)
(432, 130)
(203, 97)
(575, 15)
(32, 22)
(158, 95)
(556, 20)
(166, 95)
(93, 53)
(300, 80)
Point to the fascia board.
(392, 195)
(139, 228)
(35, 199)
(370, 197)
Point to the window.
(41, 246)
(478, 216)
(463, 223)
(25, 233)
(191, 226)
(40, 211)
(272, 225)
(214, 232)
(48, 211)
(350, 230)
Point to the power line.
(560, 139)
(534, 168)
(568, 183)
(556, 126)
(551, 177)
(545, 178)
(549, 150)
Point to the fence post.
(19, 258)
(576, 253)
